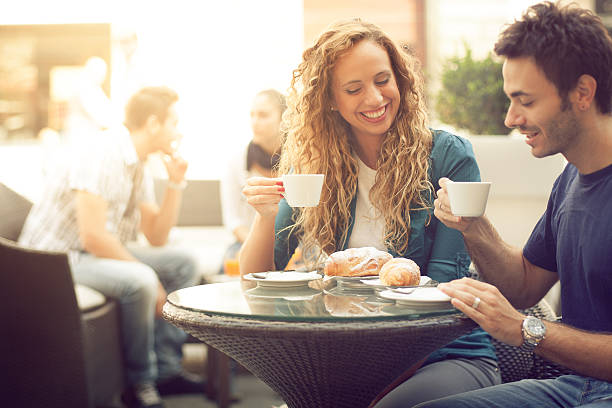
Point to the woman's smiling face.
(365, 91)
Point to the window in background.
(28, 55)
(216, 55)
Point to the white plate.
(378, 284)
(292, 293)
(281, 279)
(423, 298)
(353, 282)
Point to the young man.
(558, 76)
(94, 206)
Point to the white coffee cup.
(469, 198)
(303, 190)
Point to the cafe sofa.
(39, 301)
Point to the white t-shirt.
(236, 210)
(107, 167)
(369, 225)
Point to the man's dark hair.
(565, 42)
(154, 100)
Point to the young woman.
(356, 113)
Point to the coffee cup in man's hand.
(468, 199)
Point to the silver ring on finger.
(476, 303)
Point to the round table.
(319, 344)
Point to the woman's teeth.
(375, 114)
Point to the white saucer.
(421, 298)
(280, 279)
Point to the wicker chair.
(515, 364)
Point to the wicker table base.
(328, 364)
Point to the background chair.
(516, 364)
(14, 209)
(50, 358)
(43, 350)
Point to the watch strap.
(177, 186)
(527, 346)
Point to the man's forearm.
(497, 262)
(587, 353)
(106, 245)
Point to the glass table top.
(318, 299)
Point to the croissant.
(365, 261)
(400, 272)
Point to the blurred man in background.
(94, 206)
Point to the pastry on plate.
(400, 272)
(365, 261)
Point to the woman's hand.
(264, 194)
(492, 311)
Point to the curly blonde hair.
(319, 140)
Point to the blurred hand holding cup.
(468, 199)
(303, 190)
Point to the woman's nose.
(374, 96)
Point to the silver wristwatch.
(534, 332)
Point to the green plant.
(472, 95)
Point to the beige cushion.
(88, 298)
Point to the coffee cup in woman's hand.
(303, 190)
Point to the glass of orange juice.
(231, 267)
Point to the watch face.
(535, 327)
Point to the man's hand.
(443, 212)
(493, 312)
(176, 167)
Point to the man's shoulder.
(109, 146)
(565, 179)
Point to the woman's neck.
(368, 149)
(270, 146)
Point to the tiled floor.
(253, 393)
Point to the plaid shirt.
(107, 167)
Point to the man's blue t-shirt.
(574, 239)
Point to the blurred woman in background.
(258, 159)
